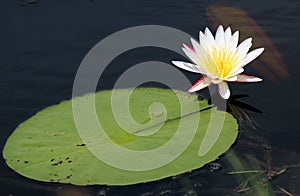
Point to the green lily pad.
(119, 137)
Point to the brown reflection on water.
(270, 63)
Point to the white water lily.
(219, 60)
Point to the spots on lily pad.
(59, 161)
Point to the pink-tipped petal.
(196, 46)
(247, 78)
(189, 48)
(224, 90)
(200, 84)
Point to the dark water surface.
(43, 43)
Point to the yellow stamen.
(221, 62)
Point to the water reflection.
(240, 110)
(270, 64)
(251, 162)
(257, 175)
(252, 159)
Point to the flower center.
(222, 62)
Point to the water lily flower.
(219, 60)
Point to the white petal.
(197, 60)
(233, 42)
(190, 67)
(236, 72)
(252, 55)
(224, 90)
(220, 37)
(192, 55)
(216, 80)
(200, 84)
(245, 43)
(196, 45)
(201, 37)
(227, 35)
(232, 79)
(247, 78)
(244, 47)
(186, 66)
(249, 57)
(209, 38)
